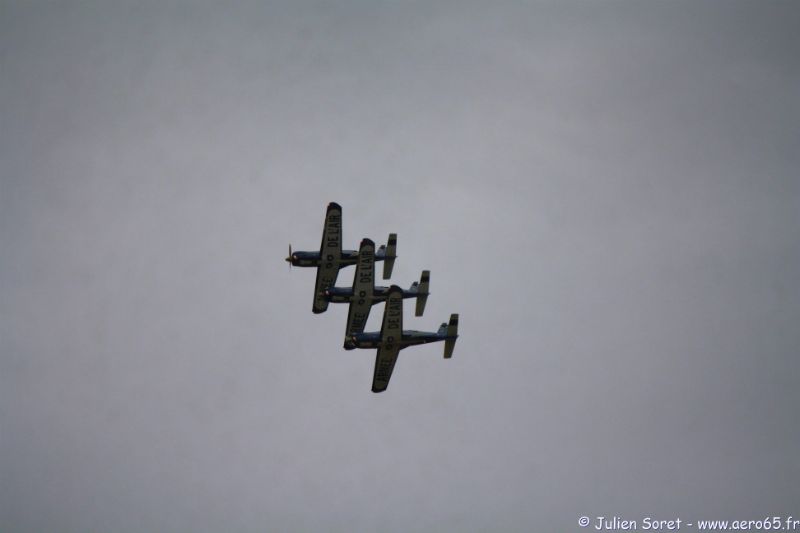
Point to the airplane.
(335, 258)
(364, 294)
(391, 338)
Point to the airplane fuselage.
(312, 259)
(410, 337)
(343, 295)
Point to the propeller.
(289, 258)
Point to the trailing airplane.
(391, 338)
(364, 294)
(331, 258)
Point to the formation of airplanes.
(363, 294)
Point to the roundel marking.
(390, 340)
(362, 293)
(330, 257)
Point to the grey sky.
(606, 192)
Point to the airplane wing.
(326, 278)
(330, 252)
(391, 335)
(384, 364)
(363, 288)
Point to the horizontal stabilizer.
(391, 254)
(452, 335)
(422, 292)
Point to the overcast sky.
(607, 193)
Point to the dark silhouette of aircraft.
(364, 294)
(331, 258)
(392, 338)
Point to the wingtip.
(395, 288)
(367, 242)
(334, 205)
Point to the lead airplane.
(392, 338)
(364, 294)
(331, 258)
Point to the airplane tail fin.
(422, 292)
(451, 330)
(391, 255)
